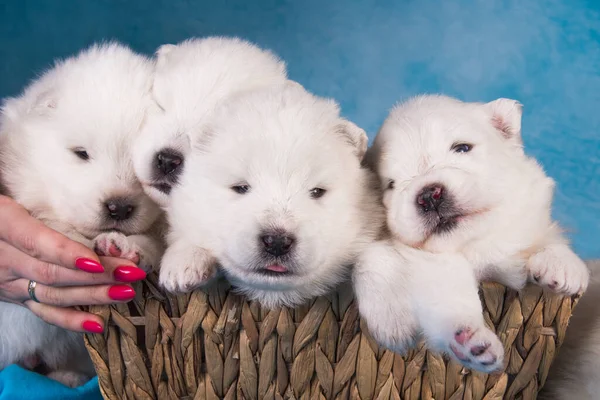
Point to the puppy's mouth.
(446, 223)
(162, 187)
(441, 213)
(124, 227)
(443, 218)
(283, 267)
(91, 232)
(275, 270)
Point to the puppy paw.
(558, 268)
(139, 249)
(115, 244)
(187, 269)
(69, 378)
(478, 349)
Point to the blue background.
(370, 54)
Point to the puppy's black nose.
(168, 161)
(119, 209)
(431, 197)
(278, 244)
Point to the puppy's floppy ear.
(293, 84)
(162, 96)
(355, 136)
(14, 108)
(44, 103)
(162, 53)
(506, 118)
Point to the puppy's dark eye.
(81, 153)
(317, 192)
(461, 147)
(241, 189)
(391, 184)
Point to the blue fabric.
(17, 383)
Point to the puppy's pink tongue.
(276, 268)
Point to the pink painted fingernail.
(92, 326)
(87, 265)
(121, 293)
(127, 273)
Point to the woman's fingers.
(32, 237)
(24, 266)
(67, 318)
(122, 270)
(31, 251)
(75, 296)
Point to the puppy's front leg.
(381, 283)
(143, 250)
(450, 312)
(185, 267)
(557, 267)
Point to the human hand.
(67, 273)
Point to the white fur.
(502, 203)
(575, 374)
(403, 293)
(190, 80)
(95, 101)
(282, 142)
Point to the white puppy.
(575, 374)
(190, 79)
(458, 186)
(65, 153)
(275, 193)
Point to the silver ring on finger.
(31, 290)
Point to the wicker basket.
(214, 344)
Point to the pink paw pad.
(479, 349)
(462, 336)
(459, 354)
(107, 247)
(114, 250)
